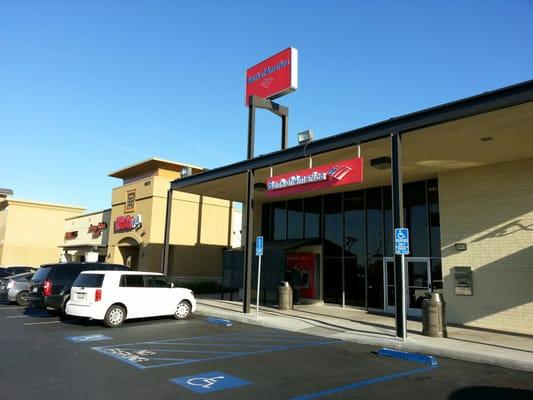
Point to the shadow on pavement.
(491, 393)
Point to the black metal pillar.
(283, 112)
(249, 239)
(397, 212)
(166, 240)
(285, 130)
(249, 214)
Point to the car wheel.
(183, 310)
(115, 316)
(22, 299)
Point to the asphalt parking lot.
(168, 359)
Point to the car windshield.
(89, 280)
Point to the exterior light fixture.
(186, 171)
(381, 163)
(460, 246)
(260, 186)
(305, 136)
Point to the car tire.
(183, 310)
(22, 299)
(115, 316)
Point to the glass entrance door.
(418, 280)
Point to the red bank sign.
(274, 77)
(326, 176)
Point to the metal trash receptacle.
(434, 316)
(285, 296)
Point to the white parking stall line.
(10, 308)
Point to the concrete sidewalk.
(359, 326)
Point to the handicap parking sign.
(210, 382)
(259, 246)
(401, 241)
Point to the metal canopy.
(479, 104)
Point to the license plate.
(81, 296)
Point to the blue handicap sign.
(259, 246)
(87, 338)
(401, 241)
(210, 382)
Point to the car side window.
(156, 281)
(131, 281)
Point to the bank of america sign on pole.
(273, 77)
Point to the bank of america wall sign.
(325, 176)
(273, 77)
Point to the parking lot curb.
(434, 346)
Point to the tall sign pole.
(270, 79)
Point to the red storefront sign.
(322, 177)
(97, 229)
(273, 77)
(128, 222)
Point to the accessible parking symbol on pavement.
(210, 382)
(87, 338)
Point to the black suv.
(50, 286)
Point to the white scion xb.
(114, 296)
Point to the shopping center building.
(200, 228)
(31, 231)
(467, 170)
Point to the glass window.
(387, 221)
(132, 281)
(333, 280)
(354, 224)
(295, 219)
(434, 218)
(374, 222)
(333, 232)
(279, 218)
(354, 282)
(89, 280)
(313, 216)
(156, 281)
(416, 218)
(41, 274)
(375, 282)
(436, 273)
(265, 222)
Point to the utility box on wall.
(463, 281)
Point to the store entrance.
(418, 280)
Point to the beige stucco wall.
(200, 228)
(491, 209)
(32, 231)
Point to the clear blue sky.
(88, 87)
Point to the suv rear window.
(89, 280)
(41, 274)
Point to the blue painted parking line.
(171, 352)
(366, 382)
(87, 338)
(218, 321)
(405, 355)
(402, 355)
(208, 382)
